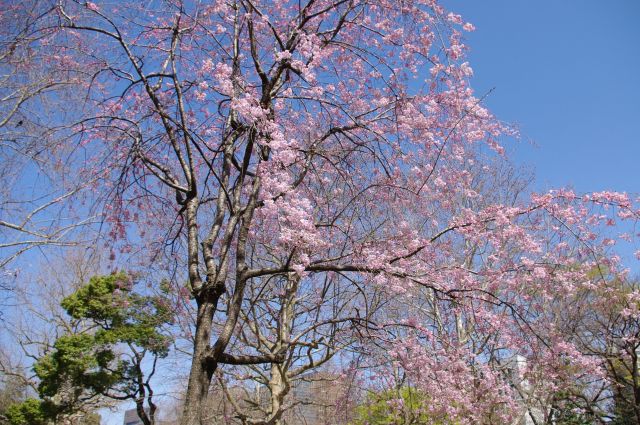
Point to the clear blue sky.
(568, 73)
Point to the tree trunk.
(279, 383)
(279, 388)
(202, 368)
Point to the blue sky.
(568, 73)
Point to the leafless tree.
(32, 92)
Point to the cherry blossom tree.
(239, 143)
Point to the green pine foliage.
(29, 412)
(91, 363)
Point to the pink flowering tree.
(247, 141)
